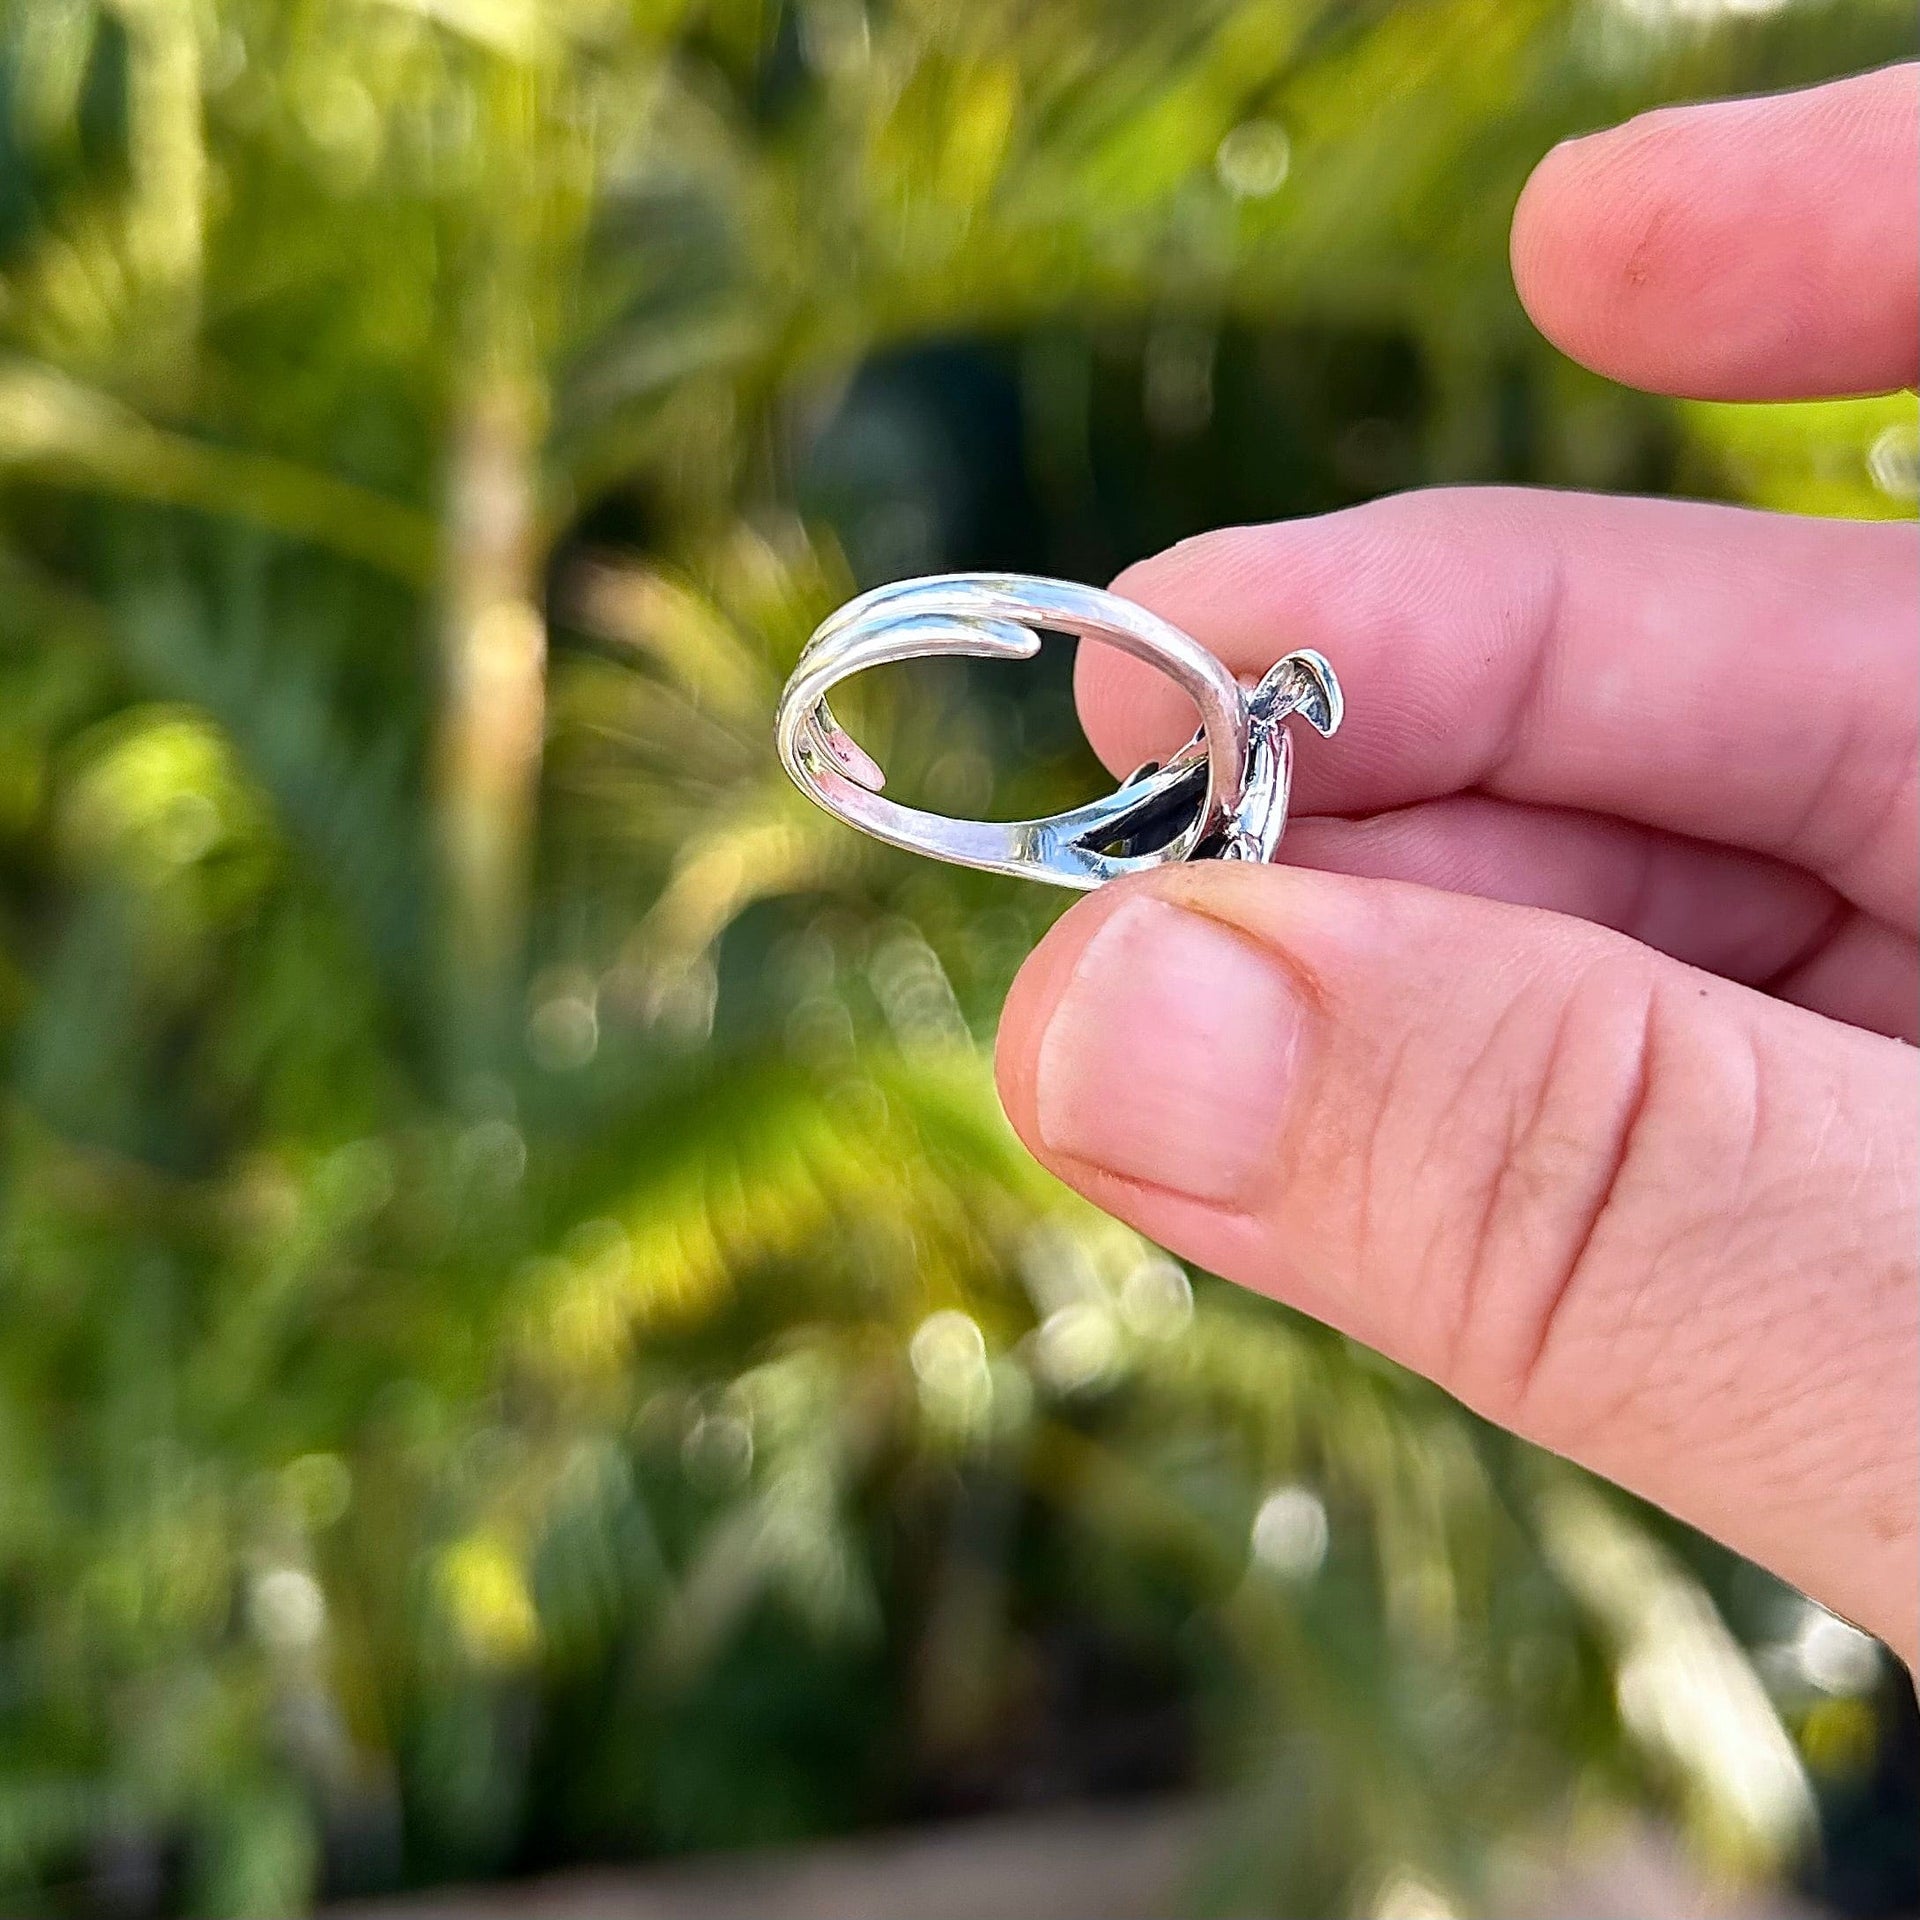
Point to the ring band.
(1222, 796)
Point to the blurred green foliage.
(523, 1336)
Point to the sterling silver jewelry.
(1223, 796)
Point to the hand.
(1567, 1062)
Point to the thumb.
(1655, 1221)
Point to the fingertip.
(1030, 1001)
(1543, 242)
(1741, 249)
(1129, 713)
(1592, 246)
(1132, 713)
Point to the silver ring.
(1222, 796)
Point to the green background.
(524, 1338)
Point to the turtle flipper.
(1303, 683)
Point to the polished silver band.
(1222, 796)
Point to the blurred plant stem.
(494, 655)
(166, 209)
(73, 435)
(493, 624)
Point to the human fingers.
(1651, 1219)
(1761, 249)
(1737, 914)
(1742, 678)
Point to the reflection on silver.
(1223, 796)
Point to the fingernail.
(1167, 1056)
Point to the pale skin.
(1569, 1058)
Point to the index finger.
(1742, 250)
